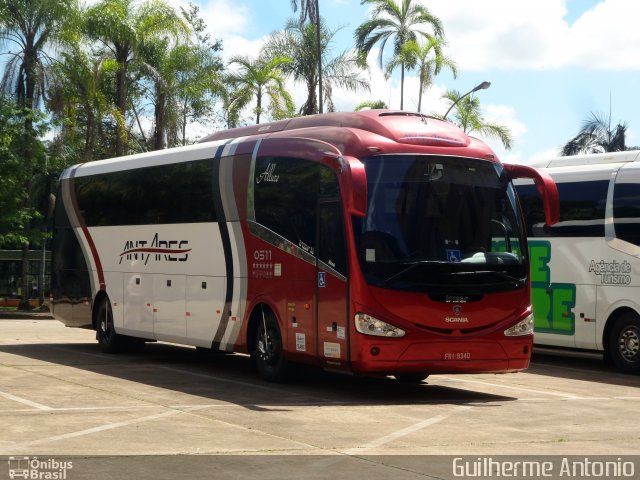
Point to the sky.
(550, 62)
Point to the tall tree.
(79, 102)
(260, 78)
(29, 27)
(122, 26)
(401, 23)
(468, 117)
(297, 42)
(200, 78)
(311, 9)
(308, 10)
(597, 136)
(428, 58)
(161, 56)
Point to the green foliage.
(298, 42)
(467, 116)
(371, 104)
(262, 79)
(18, 178)
(400, 23)
(427, 57)
(27, 27)
(598, 136)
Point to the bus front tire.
(624, 343)
(268, 350)
(108, 339)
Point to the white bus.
(585, 270)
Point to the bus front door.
(332, 286)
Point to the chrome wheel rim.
(629, 343)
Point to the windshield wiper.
(518, 282)
(410, 268)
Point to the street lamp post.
(483, 86)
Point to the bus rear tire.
(108, 340)
(268, 351)
(411, 378)
(624, 343)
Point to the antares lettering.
(157, 250)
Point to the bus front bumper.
(389, 357)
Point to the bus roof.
(400, 127)
(361, 133)
(590, 159)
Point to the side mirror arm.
(545, 185)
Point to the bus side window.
(285, 197)
(626, 205)
(331, 244)
(582, 209)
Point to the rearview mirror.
(546, 187)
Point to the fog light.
(375, 351)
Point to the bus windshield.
(438, 223)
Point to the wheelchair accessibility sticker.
(322, 279)
(454, 256)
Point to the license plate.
(457, 356)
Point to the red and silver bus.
(376, 242)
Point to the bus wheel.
(108, 339)
(269, 351)
(624, 343)
(411, 378)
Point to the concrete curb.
(16, 315)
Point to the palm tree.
(468, 117)
(428, 58)
(308, 9)
(199, 76)
(597, 136)
(371, 104)
(162, 57)
(78, 99)
(30, 27)
(311, 9)
(122, 27)
(398, 22)
(297, 42)
(257, 78)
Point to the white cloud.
(544, 155)
(507, 34)
(505, 115)
(608, 36)
(222, 17)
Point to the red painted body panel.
(431, 345)
(315, 304)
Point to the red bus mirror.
(356, 193)
(546, 187)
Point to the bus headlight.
(372, 326)
(523, 327)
